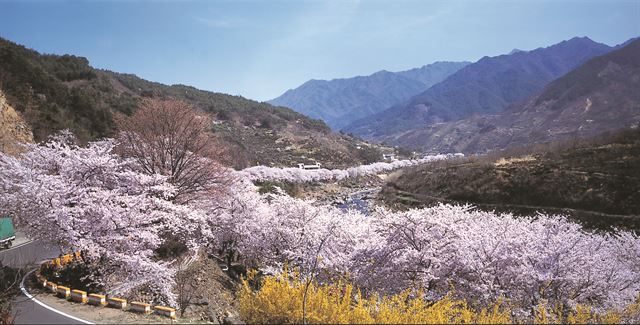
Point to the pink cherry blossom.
(90, 199)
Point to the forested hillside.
(55, 92)
(594, 180)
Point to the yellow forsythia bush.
(280, 300)
(582, 314)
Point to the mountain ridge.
(484, 87)
(54, 92)
(599, 96)
(341, 100)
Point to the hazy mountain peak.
(626, 42)
(579, 41)
(598, 96)
(340, 101)
(581, 38)
(484, 87)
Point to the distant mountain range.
(341, 101)
(487, 86)
(601, 95)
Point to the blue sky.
(259, 49)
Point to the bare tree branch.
(171, 138)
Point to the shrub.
(279, 299)
(291, 188)
(583, 314)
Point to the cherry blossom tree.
(92, 200)
(114, 210)
(269, 231)
(484, 256)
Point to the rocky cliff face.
(13, 128)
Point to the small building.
(389, 156)
(304, 166)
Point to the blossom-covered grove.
(91, 199)
(264, 173)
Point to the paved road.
(27, 254)
(27, 311)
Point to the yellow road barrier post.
(97, 300)
(140, 307)
(79, 296)
(117, 303)
(63, 292)
(165, 311)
